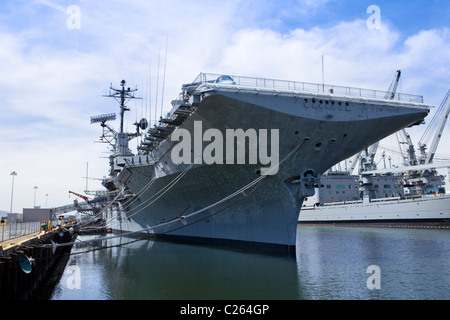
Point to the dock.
(48, 263)
(11, 243)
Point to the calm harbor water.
(330, 263)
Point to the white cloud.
(354, 55)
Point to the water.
(330, 263)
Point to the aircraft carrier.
(190, 179)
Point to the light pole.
(46, 200)
(35, 188)
(12, 189)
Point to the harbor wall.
(47, 268)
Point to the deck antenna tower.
(87, 175)
(119, 140)
(149, 89)
(164, 76)
(157, 87)
(123, 96)
(323, 76)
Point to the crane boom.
(80, 195)
(390, 94)
(368, 161)
(437, 137)
(410, 158)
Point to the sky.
(58, 57)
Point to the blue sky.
(53, 77)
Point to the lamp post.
(35, 188)
(13, 174)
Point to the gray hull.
(186, 202)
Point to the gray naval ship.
(380, 198)
(232, 161)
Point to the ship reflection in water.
(330, 263)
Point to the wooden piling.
(16, 284)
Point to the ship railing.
(303, 86)
(386, 199)
(179, 101)
(176, 103)
(339, 203)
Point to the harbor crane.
(367, 156)
(419, 170)
(437, 124)
(440, 117)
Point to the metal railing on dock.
(13, 230)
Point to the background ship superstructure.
(319, 125)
